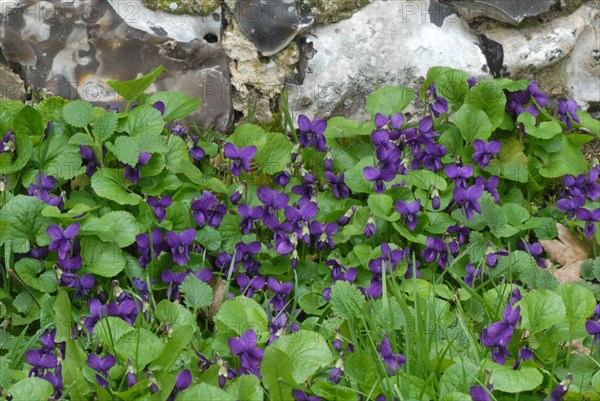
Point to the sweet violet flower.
(40, 360)
(62, 240)
(101, 366)
(409, 212)
(299, 219)
(8, 143)
(480, 393)
(393, 361)
(339, 189)
(273, 201)
(561, 389)
(249, 216)
(133, 173)
(179, 244)
(379, 176)
(281, 291)
(566, 112)
(196, 152)
(484, 152)
(206, 210)
(182, 381)
(592, 325)
(498, 334)
(310, 134)
(160, 206)
(591, 217)
(467, 199)
(240, 157)
(250, 356)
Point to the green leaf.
(453, 86)
(24, 153)
(546, 229)
(246, 387)
(144, 121)
(541, 309)
(178, 105)
(512, 86)
(209, 238)
(590, 269)
(105, 126)
(432, 74)
(125, 149)
(506, 379)
(588, 122)
(438, 222)
(28, 122)
(197, 293)
(496, 217)
(425, 179)
(512, 162)
(389, 100)
(473, 123)
(329, 391)
(78, 113)
(175, 314)
(130, 90)
(180, 340)
(275, 154)
(546, 130)
(568, 160)
(139, 345)
(359, 367)
(81, 138)
(31, 389)
(32, 273)
(59, 158)
(109, 183)
(579, 303)
(380, 205)
(204, 391)
(489, 97)
(62, 317)
(308, 352)
(276, 369)
(341, 127)
(102, 258)
(119, 227)
(346, 300)
(249, 135)
(355, 180)
(240, 314)
(459, 377)
(27, 225)
(110, 329)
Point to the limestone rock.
(509, 11)
(12, 86)
(193, 7)
(384, 43)
(72, 50)
(328, 11)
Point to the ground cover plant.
(408, 257)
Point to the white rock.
(583, 66)
(544, 45)
(182, 28)
(385, 43)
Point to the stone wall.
(239, 55)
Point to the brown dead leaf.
(219, 291)
(569, 251)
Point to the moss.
(192, 7)
(328, 11)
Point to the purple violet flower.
(592, 326)
(467, 199)
(160, 206)
(310, 134)
(182, 381)
(101, 366)
(250, 356)
(249, 216)
(240, 157)
(566, 112)
(299, 219)
(591, 217)
(180, 243)
(196, 152)
(133, 174)
(272, 200)
(480, 393)
(393, 361)
(89, 160)
(339, 189)
(379, 176)
(8, 143)
(484, 152)
(561, 389)
(62, 240)
(281, 291)
(409, 212)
